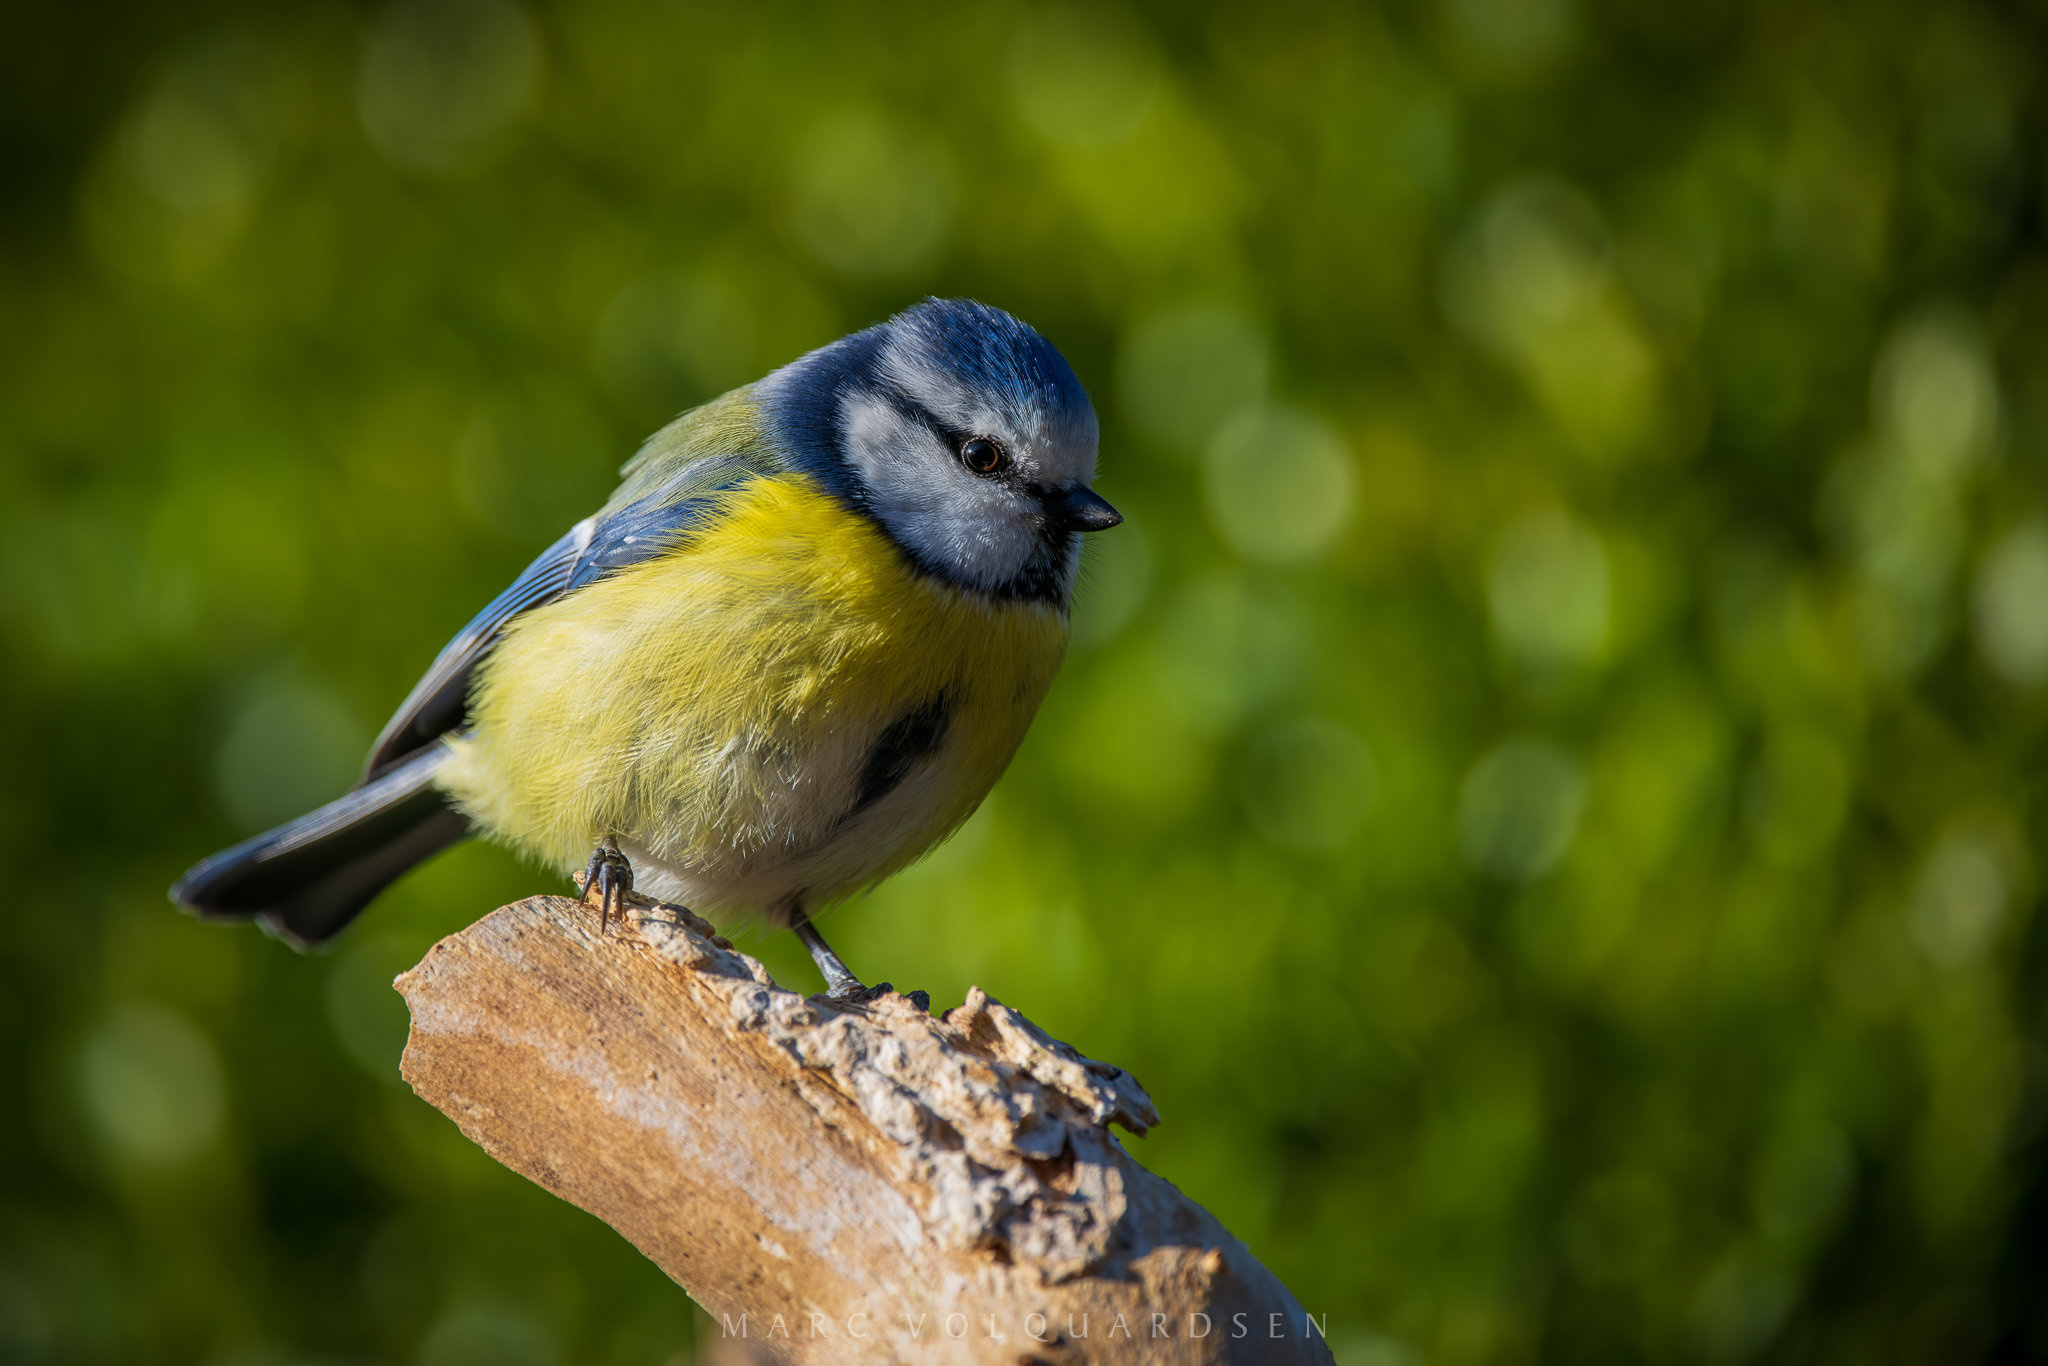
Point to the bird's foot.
(841, 986)
(609, 877)
(851, 993)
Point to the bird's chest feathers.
(783, 682)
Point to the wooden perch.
(833, 1184)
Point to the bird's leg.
(609, 876)
(840, 983)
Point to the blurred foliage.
(1548, 787)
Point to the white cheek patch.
(984, 532)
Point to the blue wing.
(619, 536)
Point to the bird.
(788, 657)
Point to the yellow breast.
(717, 708)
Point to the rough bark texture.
(833, 1184)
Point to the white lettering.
(1191, 1325)
(1321, 1325)
(778, 1328)
(1237, 1327)
(993, 1335)
(725, 1326)
(1120, 1324)
(1159, 1325)
(863, 1332)
(1070, 1327)
(949, 1325)
(1035, 1334)
(917, 1328)
(1275, 1325)
(816, 1319)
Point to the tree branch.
(833, 1184)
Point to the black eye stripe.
(953, 438)
(912, 411)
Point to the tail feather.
(307, 879)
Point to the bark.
(833, 1184)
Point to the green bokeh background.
(1547, 790)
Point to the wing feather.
(682, 498)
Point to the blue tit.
(789, 656)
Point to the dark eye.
(984, 456)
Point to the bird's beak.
(1080, 509)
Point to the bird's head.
(963, 433)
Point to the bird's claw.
(854, 994)
(609, 877)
